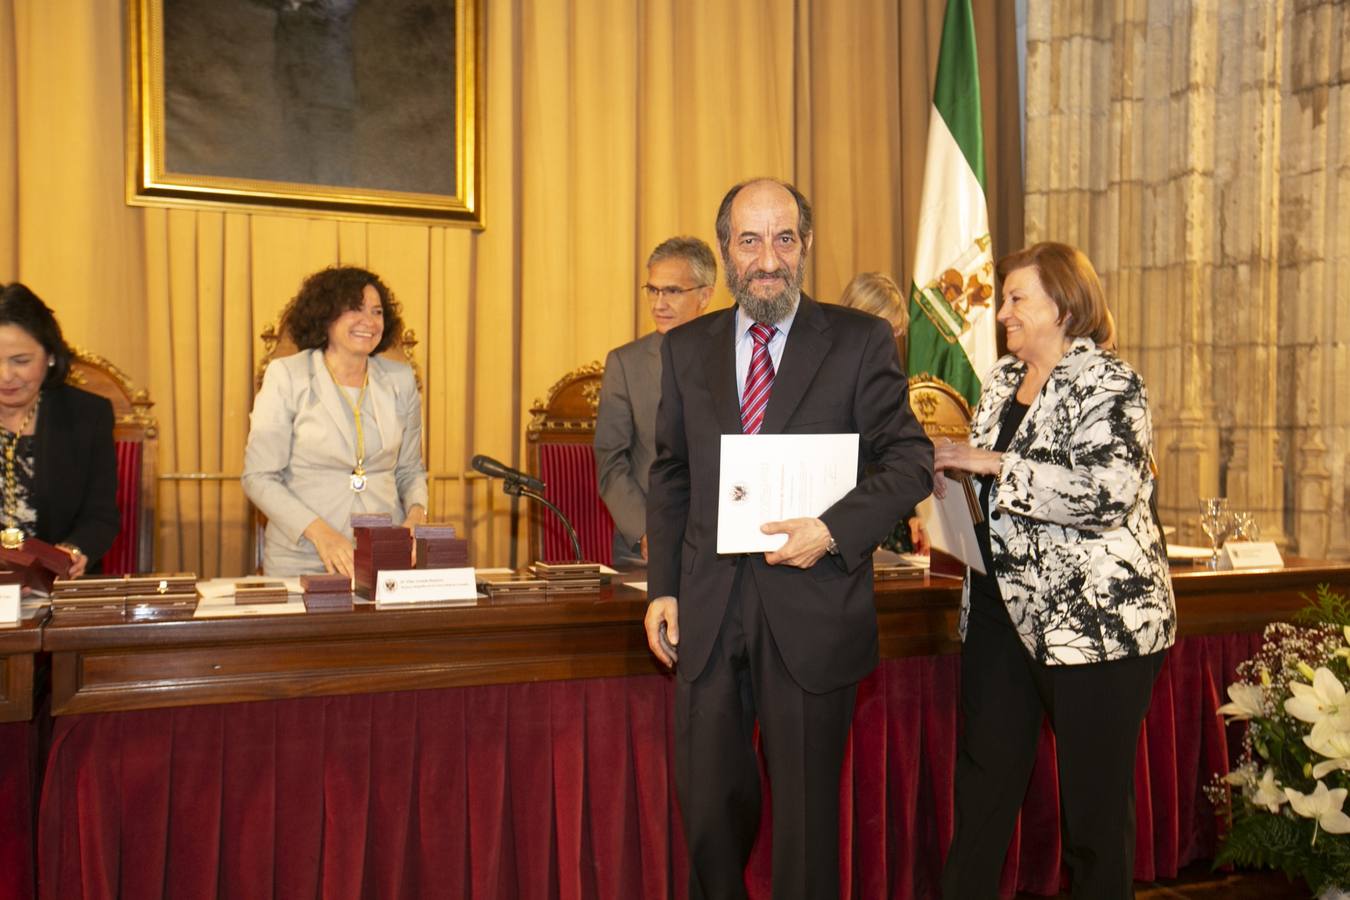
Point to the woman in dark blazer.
(1076, 610)
(58, 470)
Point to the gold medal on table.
(11, 538)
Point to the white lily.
(1268, 792)
(1325, 806)
(1335, 745)
(1248, 701)
(1324, 701)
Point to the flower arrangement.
(1289, 789)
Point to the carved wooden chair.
(940, 409)
(559, 452)
(135, 439)
(277, 343)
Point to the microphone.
(516, 483)
(493, 469)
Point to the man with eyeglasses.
(681, 272)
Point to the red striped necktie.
(758, 381)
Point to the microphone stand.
(514, 488)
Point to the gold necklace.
(358, 480)
(11, 537)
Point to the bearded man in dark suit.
(784, 637)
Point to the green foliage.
(1327, 608)
(1260, 839)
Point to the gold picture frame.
(307, 106)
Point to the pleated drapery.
(610, 125)
(559, 789)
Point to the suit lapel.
(807, 345)
(385, 407)
(323, 386)
(719, 360)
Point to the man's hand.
(808, 539)
(662, 610)
(335, 551)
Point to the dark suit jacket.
(839, 374)
(75, 490)
(625, 432)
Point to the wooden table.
(17, 646)
(102, 668)
(490, 750)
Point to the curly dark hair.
(329, 293)
(22, 308)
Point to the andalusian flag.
(951, 300)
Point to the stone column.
(1199, 152)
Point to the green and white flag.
(951, 299)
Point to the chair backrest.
(135, 439)
(940, 409)
(559, 452)
(277, 343)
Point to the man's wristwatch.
(832, 547)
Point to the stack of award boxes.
(92, 600)
(438, 548)
(259, 590)
(116, 598)
(513, 589)
(569, 578)
(327, 593)
(161, 596)
(378, 549)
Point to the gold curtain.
(611, 124)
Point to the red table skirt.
(18, 778)
(558, 789)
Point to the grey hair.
(692, 250)
(724, 212)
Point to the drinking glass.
(1245, 527)
(1216, 520)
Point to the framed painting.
(353, 108)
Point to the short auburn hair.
(329, 293)
(1071, 282)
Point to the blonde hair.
(878, 294)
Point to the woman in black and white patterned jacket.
(1077, 611)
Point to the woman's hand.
(417, 514)
(961, 457)
(335, 551)
(79, 562)
(918, 535)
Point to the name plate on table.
(1250, 555)
(9, 604)
(403, 587)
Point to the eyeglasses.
(655, 293)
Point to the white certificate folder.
(771, 477)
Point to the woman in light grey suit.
(335, 429)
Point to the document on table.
(771, 477)
(951, 521)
